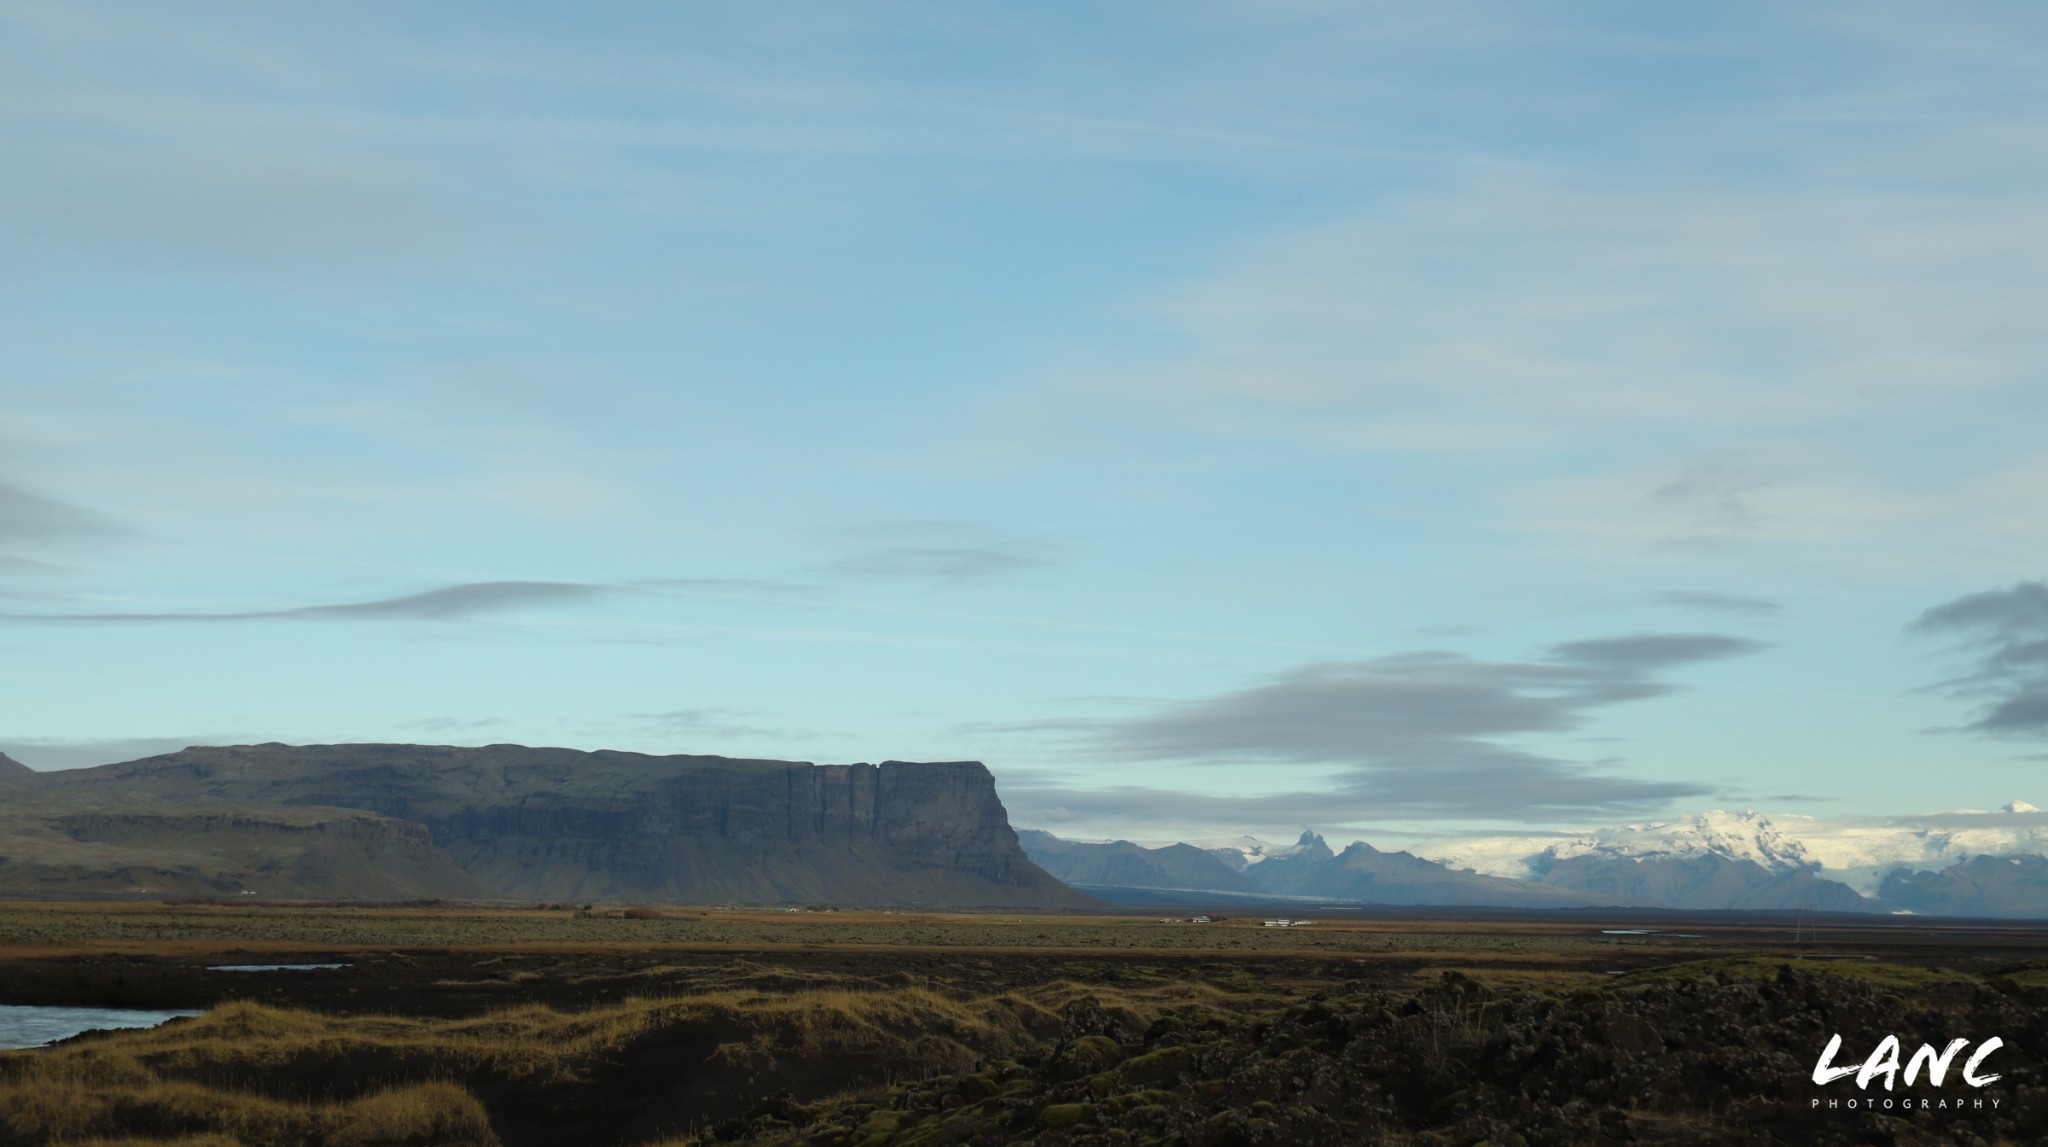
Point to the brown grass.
(105, 1101)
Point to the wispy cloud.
(953, 565)
(1426, 734)
(461, 602)
(932, 552)
(2004, 633)
(35, 529)
(1714, 602)
(448, 603)
(715, 721)
(452, 724)
(1645, 652)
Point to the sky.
(1401, 421)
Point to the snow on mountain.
(1858, 851)
(1241, 852)
(1735, 835)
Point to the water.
(274, 967)
(34, 1026)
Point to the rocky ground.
(1710, 1056)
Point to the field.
(543, 1024)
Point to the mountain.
(1860, 852)
(1366, 875)
(1242, 852)
(2008, 886)
(565, 824)
(55, 844)
(1121, 864)
(11, 769)
(1707, 880)
(1746, 836)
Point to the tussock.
(259, 1076)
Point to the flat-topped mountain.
(563, 823)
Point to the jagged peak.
(1312, 844)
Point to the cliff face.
(558, 823)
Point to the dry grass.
(107, 1101)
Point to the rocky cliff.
(561, 823)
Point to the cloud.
(1710, 601)
(1424, 734)
(34, 526)
(1511, 787)
(948, 564)
(1622, 366)
(26, 516)
(2004, 634)
(712, 721)
(933, 551)
(1649, 651)
(452, 724)
(448, 603)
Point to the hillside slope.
(55, 844)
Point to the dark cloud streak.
(448, 603)
(35, 528)
(2004, 634)
(1417, 735)
(1652, 651)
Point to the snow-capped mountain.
(1858, 851)
(1241, 852)
(1736, 835)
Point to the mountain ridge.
(566, 823)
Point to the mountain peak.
(2009, 806)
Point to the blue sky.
(1394, 420)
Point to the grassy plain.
(538, 1025)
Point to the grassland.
(520, 1026)
(157, 929)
